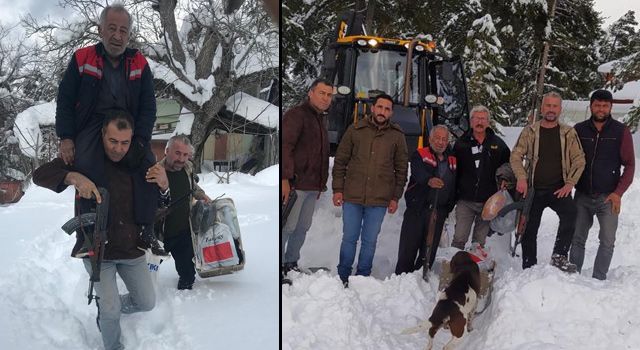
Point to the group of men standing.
(370, 171)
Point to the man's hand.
(615, 200)
(521, 187)
(564, 191)
(83, 185)
(67, 151)
(158, 175)
(285, 190)
(435, 182)
(337, 199)
(393, 206)
(206, 199)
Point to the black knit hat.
(601, 95)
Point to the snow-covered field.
(538, 309)
(43, 290)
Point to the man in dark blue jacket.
(98, 79)
(479, 153)
(608, 146)
(433, 171)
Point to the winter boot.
(283, 278)
(291, 266)
(562, 263)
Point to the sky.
(10, 10)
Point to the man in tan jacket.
(369, 173)
(555, 161)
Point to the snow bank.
(538, 309)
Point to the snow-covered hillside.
(538, 309)
(43, 290)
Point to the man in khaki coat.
(554, 156)
(369, 173)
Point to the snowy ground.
(538, 309)
(43, 290)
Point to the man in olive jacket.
(305, 167)
(553, 154)
(369, 173)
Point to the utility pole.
(543, 65)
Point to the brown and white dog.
(456, 305)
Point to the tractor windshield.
(383, 71)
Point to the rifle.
(162, 213)
(286, 207)
(94, 242)
(428, 242)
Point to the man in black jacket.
(433, 171)
(479, 154)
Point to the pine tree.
(621, 38)
(483, 54)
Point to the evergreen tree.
(621, 38)
(483, 54)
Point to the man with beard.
(479, 153)
(369, 173)
(175, 229)
(305, 167)
(607, 145)
(553, 153)
(433, 170)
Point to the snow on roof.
(27, 126)
(608, 67)
(185, 123)
(629, 91)
(254, 109)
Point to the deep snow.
(43, 290)
(538, 309)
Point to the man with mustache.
(553, 153)
(479, 153)
(305, 167)
(121, 253)
(369, 173)
(607, 145)
(175, 229)
(100, 78)
(433, 175)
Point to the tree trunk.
(537, 99)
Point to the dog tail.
(422, 326)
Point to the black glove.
(133, 159)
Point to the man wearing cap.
(608, 146)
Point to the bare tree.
(199, 55)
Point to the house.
(223, 150)
(623, 99)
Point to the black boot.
(150, 241)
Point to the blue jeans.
(364, 222)
(588, 206)
(298, 223)
(141, 297)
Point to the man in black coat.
(433, 176)
(480, 152)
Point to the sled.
(487, 268)
(217, 243)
